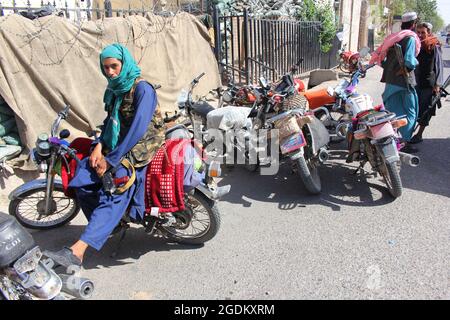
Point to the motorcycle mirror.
(330, 91)
(263, 82)
(64, 134)
(364, 52)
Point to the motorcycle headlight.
(227, 97)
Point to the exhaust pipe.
(409, 159)
(77, 287)
(323, 155)
(342, 129)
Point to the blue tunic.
(105, 211)
(403, 101)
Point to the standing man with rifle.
(397, 55)
(429, 75)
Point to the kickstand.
(360, 168)
(123, 233)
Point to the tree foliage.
(427, 10)
(311, 10)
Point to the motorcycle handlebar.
(71, 152)
(297, 65)
(196, 80)
(61, 115)
(65, 112)
(369, 66)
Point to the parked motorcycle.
(303, 138)
(238, 95)
(210, 125)
(42, 203)
(25, 274)
(371, 132)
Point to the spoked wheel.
(391, 175)
(29, 209)
(199, 223)
(11, 290)
(309, 173)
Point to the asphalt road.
(277, 242)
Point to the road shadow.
(135, 244)
(340, 187)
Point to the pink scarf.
(380, 54)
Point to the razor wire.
(55, 48)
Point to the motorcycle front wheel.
(198, 224)
(28, 209)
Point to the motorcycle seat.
(177, 132)
(202, 109)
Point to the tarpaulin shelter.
(49, 62)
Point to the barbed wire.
(54, 47)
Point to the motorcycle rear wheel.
(205, 216)
(391, 176)
(309, 175)
(25, 209)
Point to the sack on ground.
(12, 139)
(228, 118)
(9, 152)
(8, 127)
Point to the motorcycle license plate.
(293, 143)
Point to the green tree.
(307, 11)
(426, 10)
(329, 29)
(311, 10)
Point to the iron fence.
(247, 48)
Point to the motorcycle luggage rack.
(379, 120)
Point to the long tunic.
(425, 94)
(403, 101)
(105, 211)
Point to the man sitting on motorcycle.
(133, 130)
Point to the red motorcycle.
(45, 204)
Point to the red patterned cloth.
(83, 146)
(164, 177)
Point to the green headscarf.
(117, 88)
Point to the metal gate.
(247, 48)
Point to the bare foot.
(79, 248)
